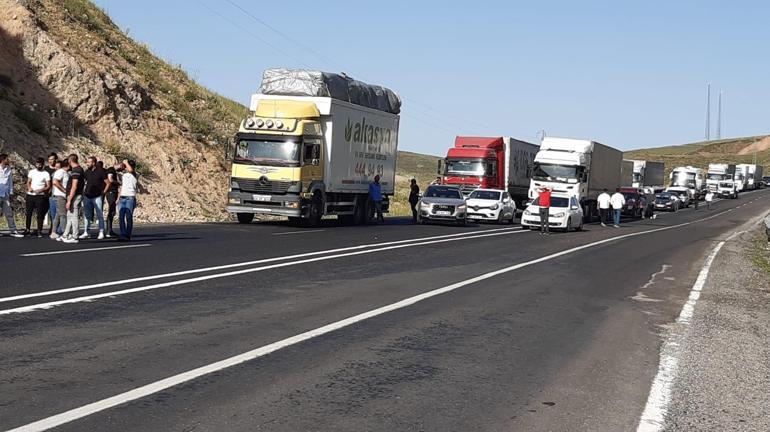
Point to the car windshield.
(665, 196)
(263, 152)
(443, 192)
(555, 201)
(485, 195)
(550, 172)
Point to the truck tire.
(347, 219)
(245, 218)
(315, 212)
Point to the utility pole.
(719, 116)
(708, 111)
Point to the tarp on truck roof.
(306, 82)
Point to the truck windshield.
(682, 178)
(717, 177)
(474, 167)
(550, 172)
(263, 152)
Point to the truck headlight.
(234, 185)
(292, 204)
(233, 200)
(558, 215)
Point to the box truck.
(311, 147)
(754, 175)
(741, 177)
(719, 173)
(648, 174)
(576, 167)
(489, 163)
(687, 179)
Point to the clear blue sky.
(629, 74)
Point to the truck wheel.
(245, 218)
(347, 219)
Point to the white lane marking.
(89, 298)
(298, 232)
(241, 264)
(148, 389)
(654, 415)
(85, 250)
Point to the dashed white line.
(146, 390)
(654, 415)
(298, 232)
(84, 250)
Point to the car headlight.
(424, 205)
(527, 213)
(558, 215)
(462, 207)
(494, 207)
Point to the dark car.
(667, 201)
(638, 202)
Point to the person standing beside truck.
(604, 201)
(709, 198)
(618, 201)
(544, 204)
(414, 198)
(375, 194)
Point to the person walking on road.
(38, 185)
(6, 194)
(414, 198)
(74, 200)
(709, 198)
(127, 200)
(59, 184)
(113, 190)
(375, 194)
(696, 198)
(544, 204)
(618, 201)
(604, 207)
(93, 196)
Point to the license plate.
(443, 213)
(262, 197)
(474, 217)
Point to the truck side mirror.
(228, 149)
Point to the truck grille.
(466, 189)
(263, 186)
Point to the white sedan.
(491, 205)
(565, 213)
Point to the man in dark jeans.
(112, 198)
(375, 194)
(544, 203)
(38, 185)
(414, 198)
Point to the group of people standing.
(63, 189)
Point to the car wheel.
(501, 217)
(580, 227)
(569, 225)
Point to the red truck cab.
(475, 162)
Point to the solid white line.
(146, 390)
(89, 298)
(654, 415)
(298, 232)
(84, 250)
(242, 264)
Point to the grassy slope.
(411, 166)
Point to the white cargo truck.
(689, 179)
(754, 175)
(576, 167)
(718, 173)
(742, 177)
(306, 157)
(648, 174)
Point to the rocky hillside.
(72, 81)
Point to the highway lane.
(397, 371)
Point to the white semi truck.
(311, 147)
(648, 174)
(718, 173)
(753, 175)
(687, 178)
(742, 177)
(576, 167)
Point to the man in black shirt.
(112, 197)
(93, 196)
(74, 200)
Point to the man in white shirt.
(38, 185)
(618, 201)
(6, 192)
(59, 184)
(604, 206)
(709, 199)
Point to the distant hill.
(700, 154)
(409, 166)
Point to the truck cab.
(474, 162)
(689, 178)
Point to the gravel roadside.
(723, 382)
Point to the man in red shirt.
(544, 202)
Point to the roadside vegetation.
(758, 252)
(411, 166)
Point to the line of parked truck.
(315, 141)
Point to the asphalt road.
(567, 337)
